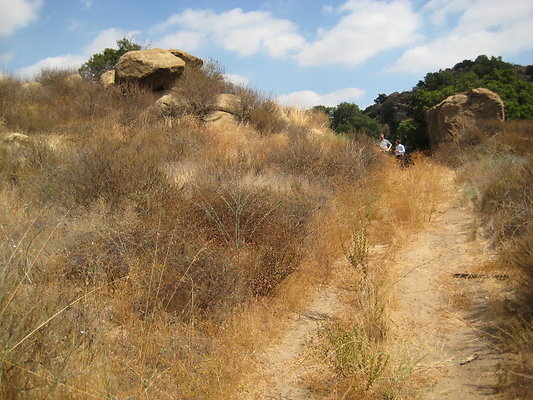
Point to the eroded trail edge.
(442, 301)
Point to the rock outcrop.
(155, 69)
(13, 145)
(190, 60)
(107, 79)
(225, 108)
(454, 116)
(172, 105)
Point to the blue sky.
(302, 52)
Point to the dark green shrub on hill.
(491, 73)
(106, 60)
(347, 117)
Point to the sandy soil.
(443, 296)
(438, 311)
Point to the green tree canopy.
(347, 117)
(491, 73)
(107, 59)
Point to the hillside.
(405, 113)
(203, 242)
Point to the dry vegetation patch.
(150, 257)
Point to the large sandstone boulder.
(13, 145)
(218, 118)
(457, 114)
(190, 60)
(228, 103)
(225, 109)
(156, 69)
(107, 79)
(172, 105)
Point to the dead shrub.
(112, 169)
(198, 87)
(267, 117)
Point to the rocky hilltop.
(404, 114)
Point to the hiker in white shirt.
(399, 151)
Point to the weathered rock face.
(156, 69)
(452, 117)
(172, 105)
(228, 103)
(107, 78)
(13, 145)
(226, 108)
(73, 79)
(190, 60)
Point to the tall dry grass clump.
(497, 173)
(368, 228)
(146, 259)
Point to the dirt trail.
(442, 295)
(438, 311)
(283, 366)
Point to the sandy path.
(441, 311)
(437, 311)
(283, 366)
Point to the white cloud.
(237, 79)
(106, 38)
(184, 40)
(245, 33)
(489, 27)
(309, 98)
(65, 61)
(17, 14)
(370, 27)
(6, 58)
(87, 3)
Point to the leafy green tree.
(107, 59)
(491, 73)
(382, 97)
(347, 117)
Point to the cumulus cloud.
(245, 33)
(489, 27)
(106, 38)
(309, 98)
(65, 61)
(369, 28)
(16, 14)
(6, 58)
(237, 79)
(185, 40)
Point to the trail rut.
(439, 312)
(442, 300)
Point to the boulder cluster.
(159, 70)
(155, 69)
(459, 114)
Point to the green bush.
(106, 60)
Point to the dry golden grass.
(361, 360)
(146, 259)
(497, 173)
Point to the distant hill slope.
(405, 112)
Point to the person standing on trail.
(384, 144)
(399, 151)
